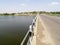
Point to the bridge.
(44, 30)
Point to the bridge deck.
(43, 37)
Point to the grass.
(54, 14)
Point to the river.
(13, 29)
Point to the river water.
(13, 29)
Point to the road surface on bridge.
(52, 24)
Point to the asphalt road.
(52, 24)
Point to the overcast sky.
(29, 5)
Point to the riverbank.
(18, 15)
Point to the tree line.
(33, 12)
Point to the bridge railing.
(30, 33)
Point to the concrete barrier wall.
(30, 32)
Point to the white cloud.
(22, 4)
(54, 3)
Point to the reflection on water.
(13, 29)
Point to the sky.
(9, 6)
